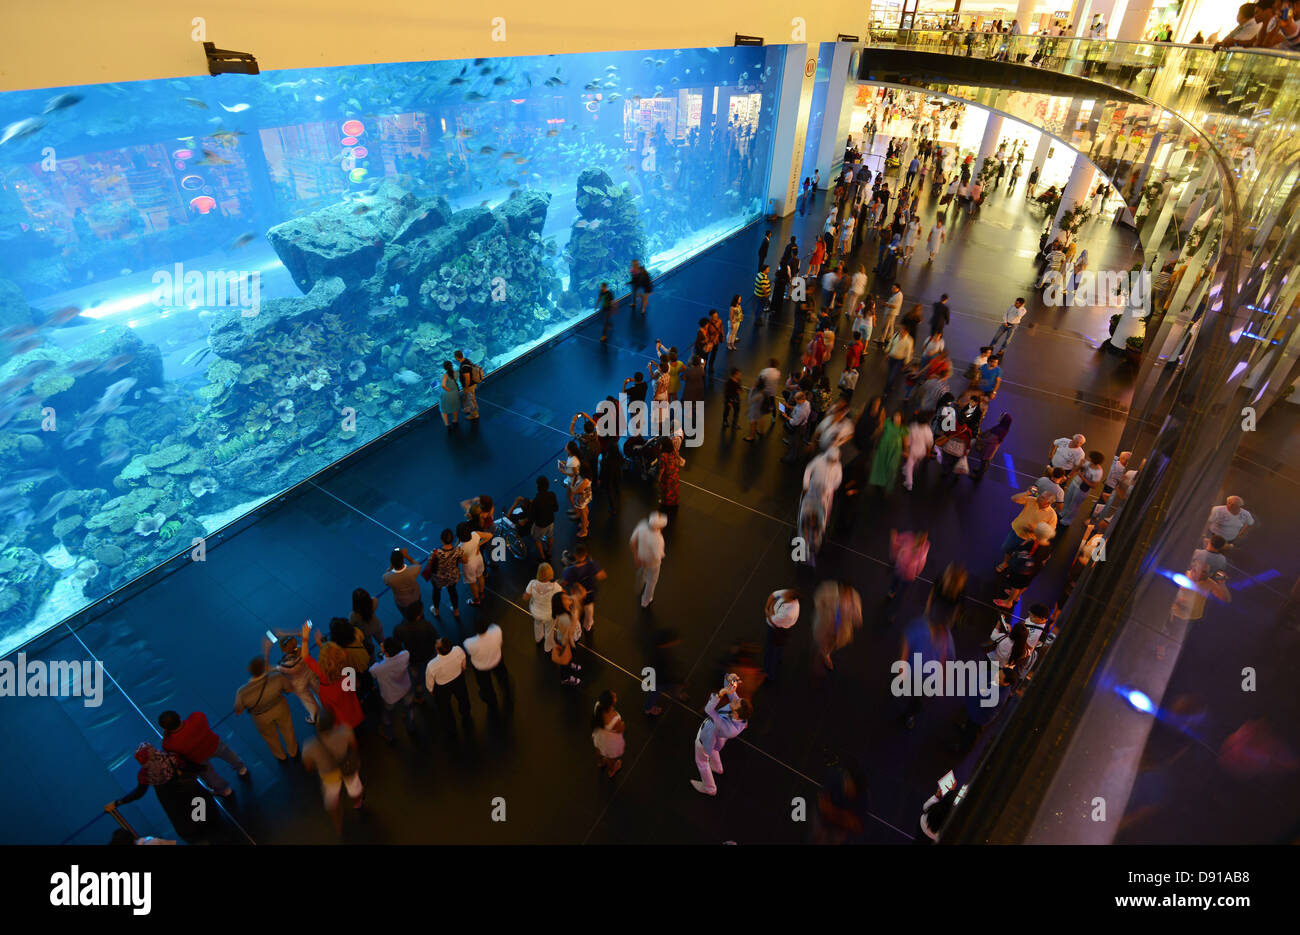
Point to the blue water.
(211, 288)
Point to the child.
(731, 398)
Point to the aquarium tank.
(212, 288)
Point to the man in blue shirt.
(586, 574)
(989, 377)
(716, 731)
(913, 167)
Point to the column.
(1040, 153)
(797, 78)
(1134, 24)
(1077, 190)
(1024, 13)
(841, 92)
(992, 133)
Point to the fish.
(713, 49)
(38, 476)
(14, 383)
(475, 96)
(237, 109)
(509, 154)
(497, 82)
(65, 314)
(611, 68)
(464, 134)
(16, 332)
(361, 209)
(117, 362)
(407, 377)
(648, 60)
(212, 159)
(78, 438)
(195, 102)
(512, 183)
(125, 271)
(520, 161)
(479, 61)
(29, 345)
(61, 102)
(243, 239)
(228, 137)
(57, 502)
(82, 366)
(179, 85)
(20, 129)
(486, 150)
(119, 454)
(455, 81)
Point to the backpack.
(475, 374)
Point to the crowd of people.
(359, 671)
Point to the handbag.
(945, 199)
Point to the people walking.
(607, 734)
(647, 544)
(487, 659)
(334, 755)
(781, 614)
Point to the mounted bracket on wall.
(225, 62)
(843, 38)
(748, 40)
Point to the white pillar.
(1134, 24)
(797, 80)
(1040, 152)
(992, 133)
(840, 92)
(1024, 13)
(1077, 190)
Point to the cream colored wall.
(67, 42)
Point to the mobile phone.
(780, 406)
(947, 782)
(309, 624)
(271, 636)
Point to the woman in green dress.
(889, 451)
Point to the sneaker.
(572, 680)
(699, 787)
(243, 771)
(575, 667)
(310, 719)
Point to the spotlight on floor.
(226, 62)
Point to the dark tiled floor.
(184, 642)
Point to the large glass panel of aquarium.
(212, 288)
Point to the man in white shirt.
(488, 663)
(893, 306)
(445, 677)
(1229, 521)
(782, 613)
(648, 554)
(393, 676)
(1010, 322)
(1115, 474)
(857, 289)
(1067, 453)
(718, 728)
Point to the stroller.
(642, 455)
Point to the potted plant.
(1133, 348)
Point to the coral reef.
(606, 237)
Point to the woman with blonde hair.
(538, 594)
(338, 682)
(565, 627)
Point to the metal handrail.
(1205, 47)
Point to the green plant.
(1135, 343)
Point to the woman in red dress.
(670, 463)
(337, 691)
